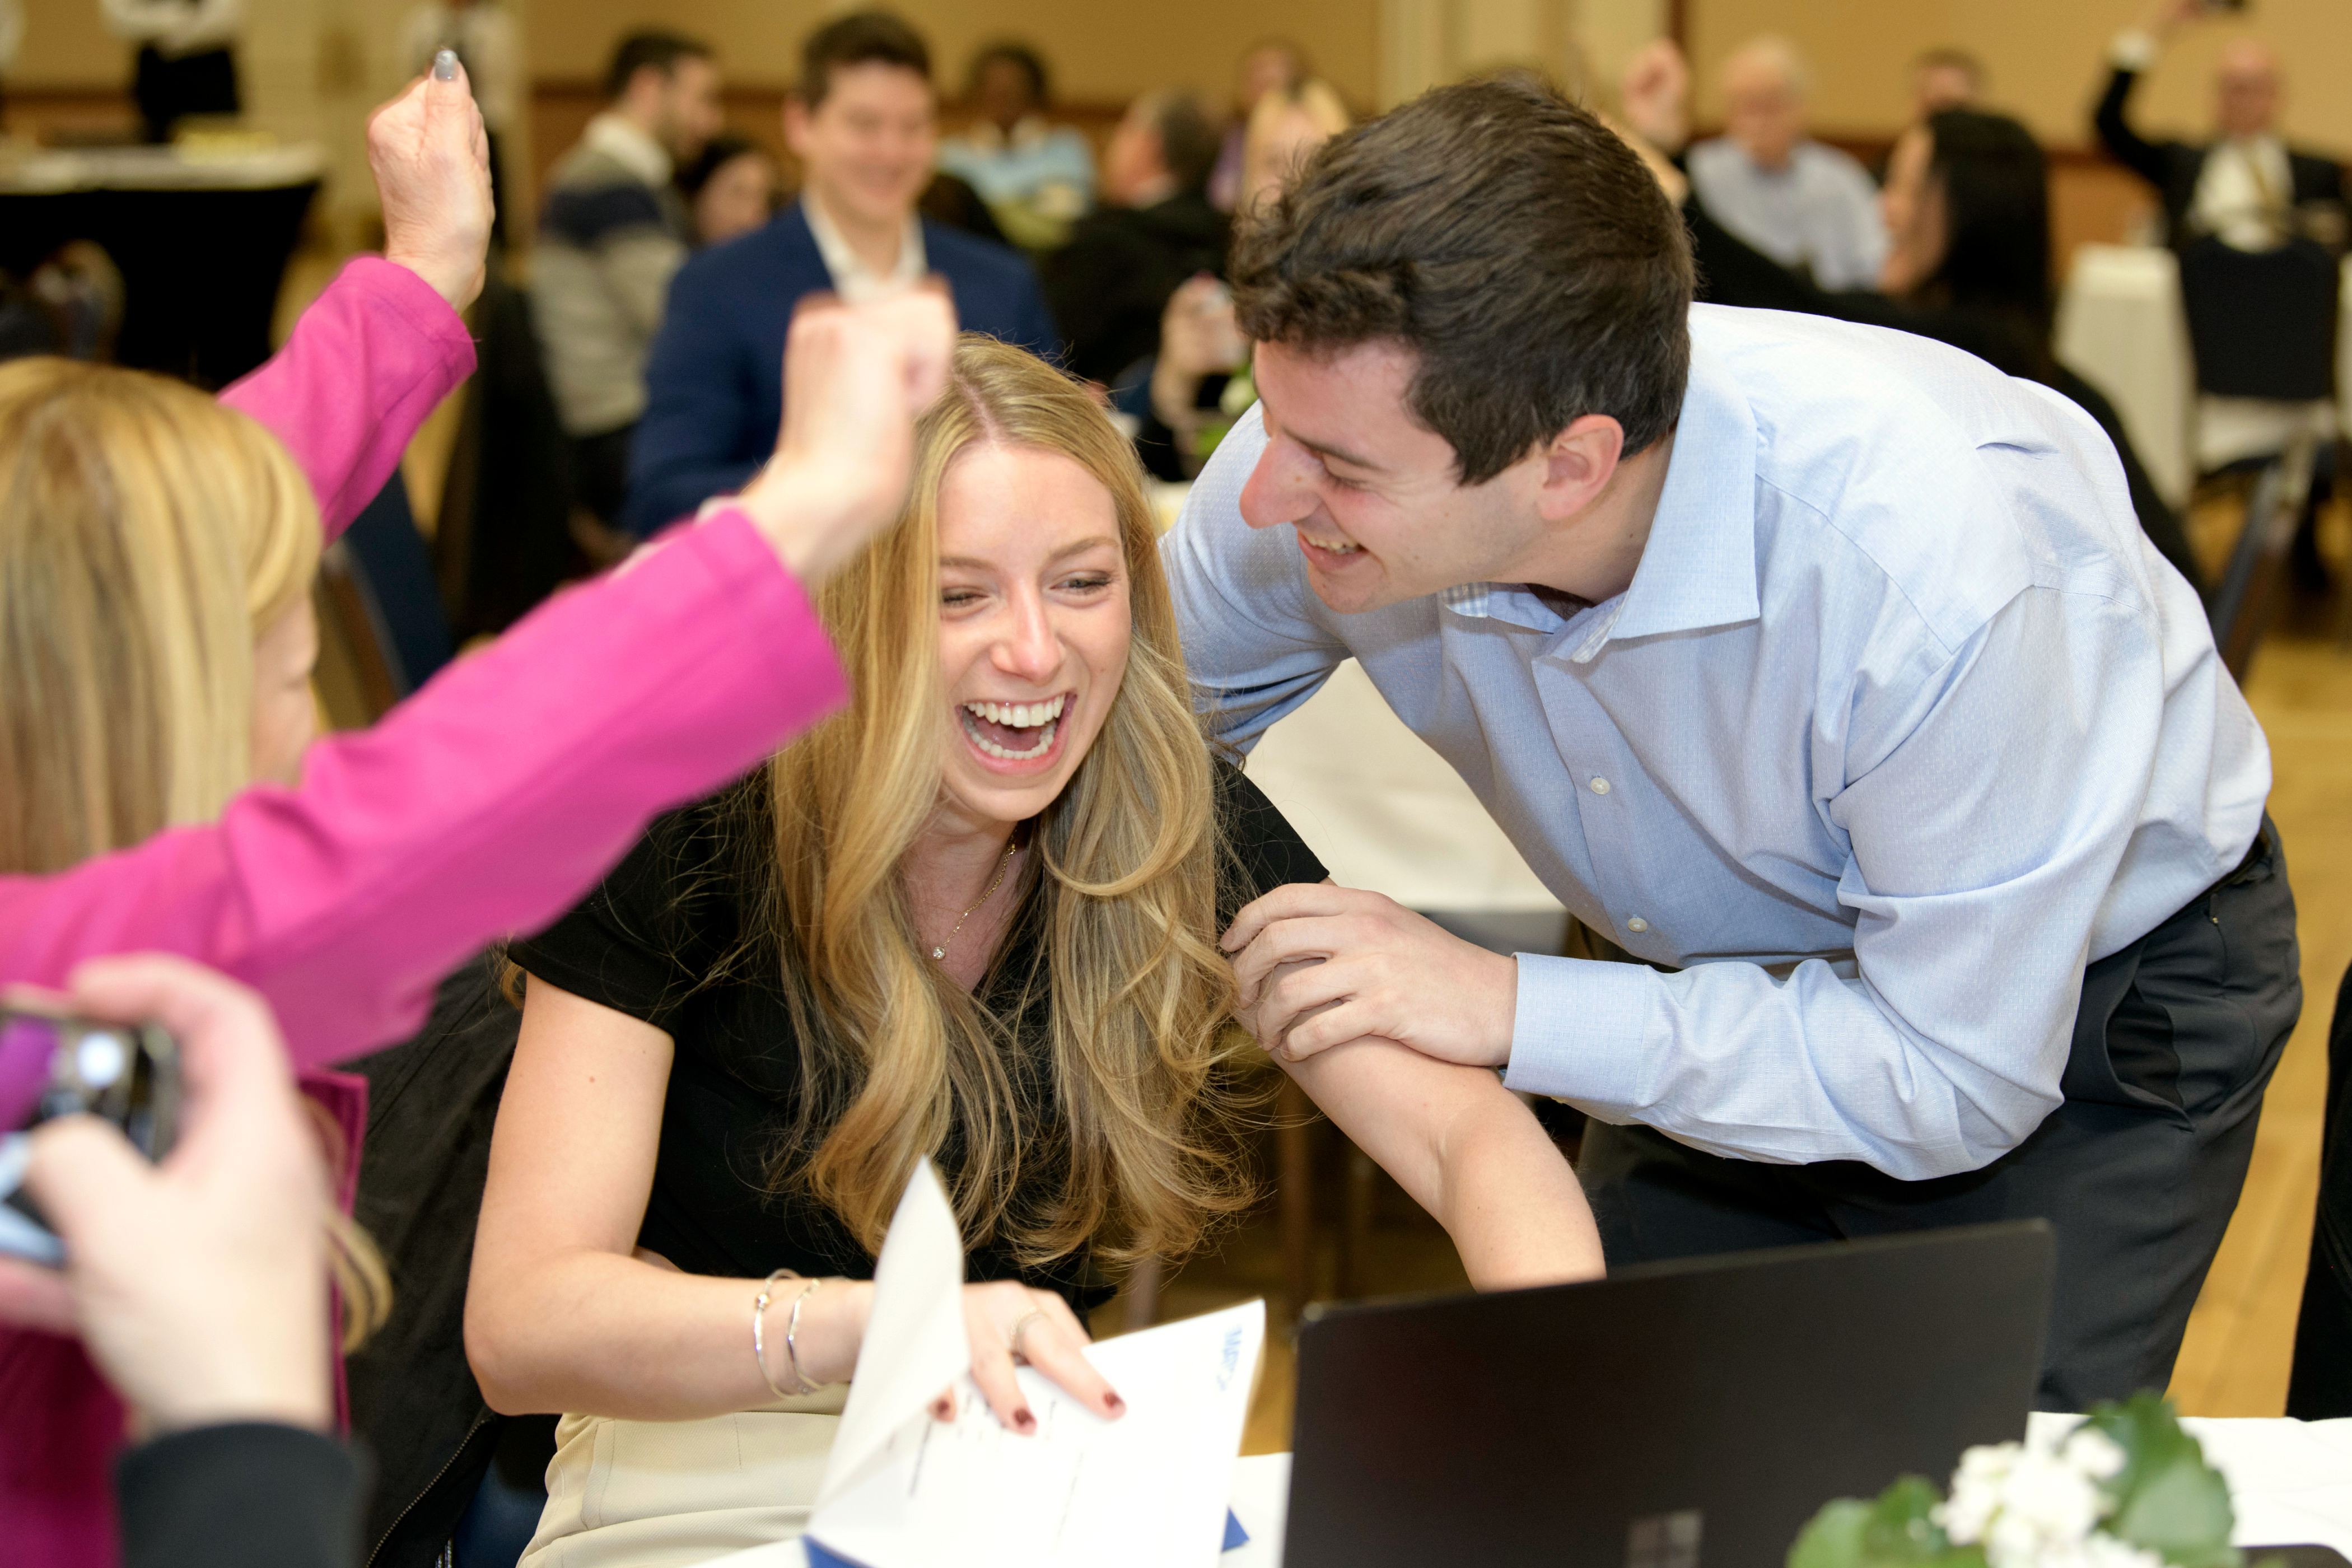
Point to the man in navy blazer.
(861, 122)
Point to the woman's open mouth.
(1013, 731)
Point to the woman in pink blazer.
(496, 796)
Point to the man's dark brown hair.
(862, 37)
(658, 51)
(1509, 239)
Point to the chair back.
(2263, 323)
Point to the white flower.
(2036, 1507)
(2100, 1550)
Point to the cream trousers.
(660, 1494)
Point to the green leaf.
(2168, 1500)
(1898, 1530)
(1832, 1538)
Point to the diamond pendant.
(938, 952)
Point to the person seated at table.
(166, 791)
(1946, 77)
(1804, 205)
(731, 189)
(187, 57)
(975, 918)
(1037, 178)
(861, 123)
(2246, 185)
(1155, 228)
(1271, 65)
(612, 234)
(1967, 209)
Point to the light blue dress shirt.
(1900, 725)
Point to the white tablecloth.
(2291, 1481)
(1382, 811)
(2120, 327)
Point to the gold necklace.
(1002, 866)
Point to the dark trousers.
(2138, 1171)
(167, 88)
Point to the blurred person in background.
(1283, 129)
(199, 1286)
(1275, 64)
(731, 189)
(1946, 77)
(612, 233)
(862, 121)
(482, 34)
(1802, 204)
(2246, 185)
(1036, 178)
(187, 59)
(1186, 396)
(1155, 228)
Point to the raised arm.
(496, 796)
(1468, 1152)
(377, 352)
(2133, 51)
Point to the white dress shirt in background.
(1901, 724)
(853, 279)
(1819, 211)
(175, 27)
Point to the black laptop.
(1684, 1414)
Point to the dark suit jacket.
(2175, 167)
(714, 384)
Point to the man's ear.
(1579, 463)
(796, 115)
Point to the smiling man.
(1820, 671)
(861, 124)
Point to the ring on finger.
(1021, 1326)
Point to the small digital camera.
(126, 1074)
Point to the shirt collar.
(627, 145)
(1698, 568)
(853, 279)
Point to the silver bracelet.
(793, 1337)
(759, 1333)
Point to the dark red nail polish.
(1117, 1405)
(1024, 1421)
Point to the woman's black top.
(646, 941)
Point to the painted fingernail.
(942, 1408)
(1118, 1406)
(445, 66)
(1023, 1421)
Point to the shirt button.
(1601, 786)
(1637, 924)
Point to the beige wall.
(2045, 57)
(1099, 52)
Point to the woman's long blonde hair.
(1137, 1156)
(147, 536)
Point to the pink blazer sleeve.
(483, 806)
(374, 354)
